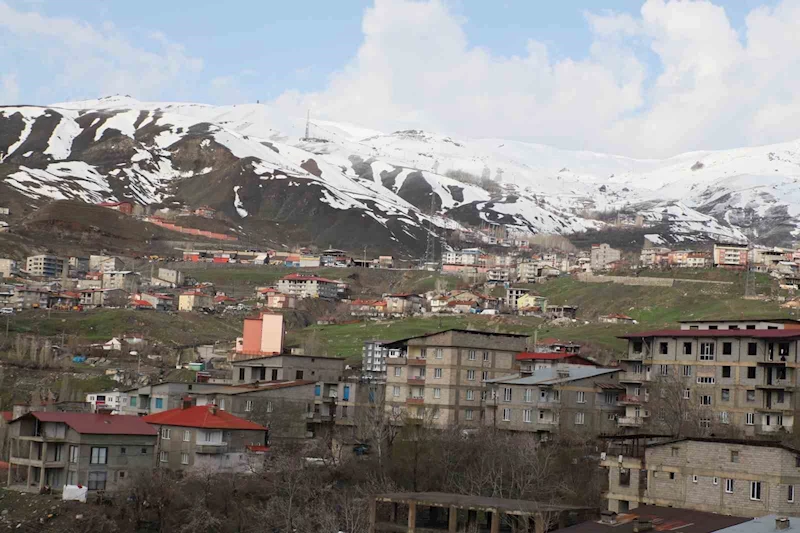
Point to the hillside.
(349, 187)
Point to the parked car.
(7, 311)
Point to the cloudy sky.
(644, 79)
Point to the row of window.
(164, 457)
(204, 435)
(97, 455)
(707, 349)
(755, 487)
(527, 416)
(725, 396)
(687, 370)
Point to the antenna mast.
(308, 122)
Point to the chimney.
(213, 409)
(782, 523)
(608, 517)
(641, 525)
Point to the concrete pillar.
(452, 519)
(412, 517)
(30, 475)
(10, 469)
(495, 526)
(372, 512)
(42, 469)
(393, 513)
(472, 521)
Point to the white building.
(43, 265)
(104, 263)
(373, 360)
(8, 267)
(110, 401)
(121, 279)
(308, 286)
(468, 256)
(603, 255)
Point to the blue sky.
(316, 53)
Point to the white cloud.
(99, 60)
(712, 88)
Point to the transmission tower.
(308, 123)
(430, 245)
(750, 277)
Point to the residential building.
(734, 256)
(530, 272)
(99, 451)
(205, 437)
(403, 304)
(261, 335)
(727, 476)
(513, 294)
(603, 255)
(741, 323)
(8, 268)
(467, 256)
(105, 263)
(195, 301)
(354, 397)
(277, 300)
(576, 398)
(368, 308)
(616, 318)
(373, 360)
(443, 375)
(126, 280)
(91, 298)
(654, 256)
(530, 362)
(78, 266)
(159, 301)
(531, 303)
(308, 286)
(126, 208)
(167, 277)
(46, 266)
(664, 519)
(159, 397)
(285, 367)
(106, 402)
(744, 375)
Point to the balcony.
(211, 449)
(416, 380)
(630, 421)
(633, 377)
(417, 362)
(634, 356)
(777, 384)
(548, 405)
(415, 400)
(24, 461)
(630, 400)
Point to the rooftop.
(306, 277)
(762, 524)
(549, 356)
(773, 320)
(732, 333)
(720, 440)
(256, 387)
(457, 330)
(554, 376)
(97, 424)
(666, 519)
(201, 416)
(442, 499)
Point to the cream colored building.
(442, 376)
(193, 300)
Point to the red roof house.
(202, 417)
(97, 424)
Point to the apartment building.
(286, 367)
(194, 301)
(167, 277)
(46, 266)
(580, 398)
(126, 280)
(261, 335)
(467, 256)
(654, 256)
(8, 268)
(98, 451)
(208, 438)
(106, 401)
(726, 476)
(603, 255)
(373, 360)
(442, 376)
(744, 375)
(159, 397)
(513, 294)
(733, 256)
(308, 286)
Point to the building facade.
(286, 368)
(733, 256)
(8, 268)
(125, 280)
(443, 376)
(46, 266)
(373, 360)
(308, 286)
(603, 255)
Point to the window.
(790, 494)
(435, 413)
(507, 394)
(133, 401)
(724, 418)
(165, 433)
(395, 391)
(755, 490)
(484, 375)
(298, 374)
(727, 348)
(471, 355)
(468, 414)
(470, 394)
(687, 348)
(706, 351)
(752, 347)
(750, 419)
(579, 419)
(184, 458)
(581, 397)
(506, 414)
(675, 451)
(486, 357)
(781, 397)
(437, 392)
(398, 371)
(663, 348)
(248, 405)
(528, 398)
(732, 326)
(438, 353)
(163, 457)
(664, 370)
(144, 451)
(624, 477)
(159, 403)
(99, 456)
(437, 373)
(672, 475)
(729, 486)
(694, 479)
(705, 380)
(687, 394)
(637, 346)
(726, 371)
(470, 375)
(526, 416)
(705, 400)
(241, 374)
(750, 326)
(123, 451)
(725, 395)
(713, 327)
(222, 404)
(751, 395)
(73, 454)
(97, 480)
(687, 370)
(715, 481)
(734, 456)
(751, 372)
(187, 436)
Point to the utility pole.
(308, 123)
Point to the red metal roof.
(201, 416)
(744, 333)
(98, 424)
(141, 303)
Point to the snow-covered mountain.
(351, 186)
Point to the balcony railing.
(630, 421)
(633, 377)
(415, 400)
(627, 399)
(420, 380)
(211, 449)
(416, 362)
